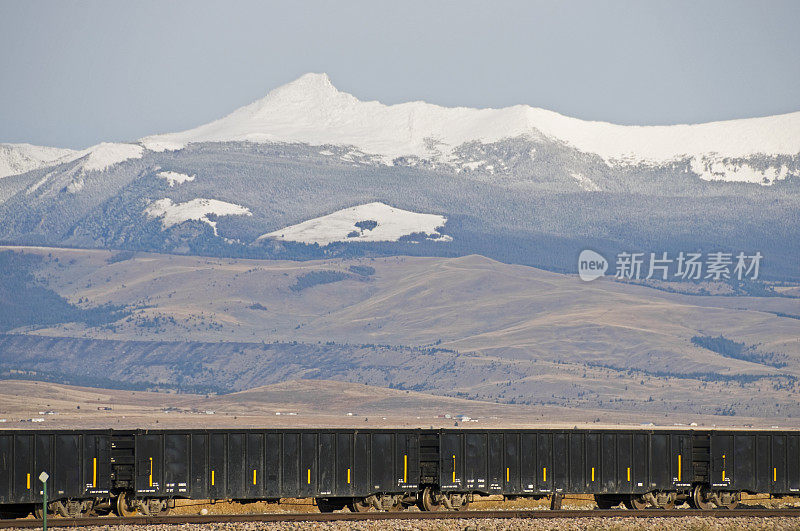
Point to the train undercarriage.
(429, 498)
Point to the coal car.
(145, 471)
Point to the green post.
(43, 478)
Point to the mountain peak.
(308, 88)
(311, 81)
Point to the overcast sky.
(75, 73)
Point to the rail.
(438, 515)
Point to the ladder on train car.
(123, 458)
(701, 455)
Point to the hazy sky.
(75, 73)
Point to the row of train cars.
(94, 472)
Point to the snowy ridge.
(197, 209)
(16, 159)
(372, 222)
(311, 110)
(20, 158)
(106, 154)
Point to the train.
(128, 472)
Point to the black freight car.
(386, 469)
(78, 462)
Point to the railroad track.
(443, 515)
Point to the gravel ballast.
(468, 524)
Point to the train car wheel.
(360, 505)
(123, 506)
(432, 501)
(635, 503)
(701, 498)
(419, 504)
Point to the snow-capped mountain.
(373, 222)
(21, 158)
(311, 110)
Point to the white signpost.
(43, 478)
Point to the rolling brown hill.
(468, 327)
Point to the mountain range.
(311, 235)
(519, 184)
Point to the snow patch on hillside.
(174, 177)
(197, 209)
(16, 159)
(311, 110)
(585, 182)
(372, 222)
(714, 169)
